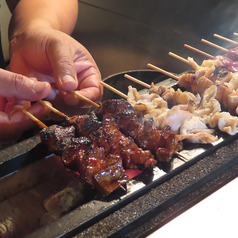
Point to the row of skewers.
(100, 152)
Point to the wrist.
(21, 33)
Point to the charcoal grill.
(149, 194)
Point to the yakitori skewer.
(214, 45)
(33, 118)
(179, 57)
(163, 71)
(199, 51)
(84, 98)
(114, 90)
(125, 96)
(137, 81)
(53, 109)
(225, 39)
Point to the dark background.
(125, 35)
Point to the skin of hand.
(53, 56)
(41, 47)
(13, 122)
(42, 50)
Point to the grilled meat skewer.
(106, 134)
(80, 154)
(162, 143)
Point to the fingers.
(89, 87)
(62, 62)
(21, 87)
(13, 126)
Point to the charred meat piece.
(90, 161)
(110, 108)
(80, 154)
(161, 143)
(72, 147)
(114, 142)
(103, 172)
(53, 135)
(111, 177)
(106, 134)
(84, 124)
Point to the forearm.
(56, 14)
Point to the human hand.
(53, 56)
(14, 89)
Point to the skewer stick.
(122, 187)
(114, 90)
(180, 155)
(163, 71)
(84, 98)
(179, 57)
(235, 34)
(214, 45)
(137, 81)
(198, 51)
(225, 39)
(53, 109)
(33, 118)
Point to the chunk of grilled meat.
(102, 171)
(162, 143)
(73, 146)
(106, 134)
(106, 173)
(110, 108)
(53, 136)
(112, 176)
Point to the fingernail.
(68, 82)
(39, 87)
(67, 78)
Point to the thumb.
(18, 86)
(63, 67)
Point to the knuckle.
(64, 61)
(18, 82)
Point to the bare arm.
(57, 14)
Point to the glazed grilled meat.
(101, 147)
(110, 108)
(106, 134)
(54, 137)
(106, 173)
(162, 143)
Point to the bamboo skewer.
(163, 71)
(180, 155)
(179, 57)
(33, 118)
(214, 45)
(114, 90)
(199, 51)
(137, 81)
(84, 98)
(225, 39)
(41, 124)
(235, 34)
(53, 109)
